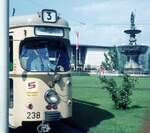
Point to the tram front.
(41, 75)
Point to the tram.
(39, 75)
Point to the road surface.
(58, 127)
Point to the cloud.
(114, 5)
(115, 10)
(94, 7)
(99, 35)
(106, 20)
(107, 35)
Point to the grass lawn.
(93, 108)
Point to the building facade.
(86, 57)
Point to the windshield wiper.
(42, 63)
(57, 62)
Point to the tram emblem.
(32, 85)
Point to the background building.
(87, 57)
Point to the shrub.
(120, 94)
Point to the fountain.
(132, 51)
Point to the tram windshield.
(44, 56)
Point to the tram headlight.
(51, 97)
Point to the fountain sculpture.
(132, 51)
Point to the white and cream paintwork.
(30, 87)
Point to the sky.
(99, 22)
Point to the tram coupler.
(43, 127)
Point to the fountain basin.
(132, 52)
(132, 49)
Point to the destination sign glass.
(49, 31)
(49, 16)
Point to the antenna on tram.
(13, 11)
(39, 14)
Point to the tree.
(111, 60)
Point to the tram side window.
(11, 95)
(11, 53)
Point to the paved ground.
(59, 127)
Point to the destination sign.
(49, 31)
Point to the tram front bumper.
(52, 116)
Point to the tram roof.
(35, 20)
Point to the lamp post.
(4, 67)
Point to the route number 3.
(49, 16)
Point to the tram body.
(39, 90)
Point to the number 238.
(33, 115)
